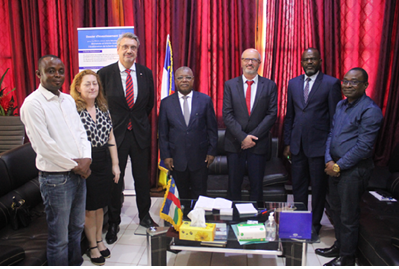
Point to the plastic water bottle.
(271, 228)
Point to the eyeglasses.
(351, 82)
(181, 78)
(247, 60)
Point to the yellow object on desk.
(188, 232)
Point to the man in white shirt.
(63, 160)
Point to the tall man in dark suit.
(249, 112)
(129, 89)
(188, 135)
(311, 103)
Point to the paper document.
(246, 209)
(208, 203)
(382, 198)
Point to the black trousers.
(345, 193)
(255, 164)
(303, 169)
(191, 184)
(140, 162)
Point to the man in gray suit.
(249, 112)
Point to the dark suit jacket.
(310, 123)
(235, 114)
(120, 111)
(187, 145)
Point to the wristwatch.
(336, 168)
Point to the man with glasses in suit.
(249, 112)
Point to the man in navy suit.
(187, 135)
(249, 112)
(132, 129)
(311, 103)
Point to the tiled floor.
(131, 249)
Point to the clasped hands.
(169, 162)
(83, 167)
(248, 142)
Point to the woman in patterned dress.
(87, 91)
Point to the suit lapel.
(178, 109)
(259, 90)
(300, 88)
(240, 93)
(139, 75)
(194, 107)
(316, 86)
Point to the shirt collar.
(181, 95)
(354, 102)
(47, 94)
(122, 68)
(255, 79)
(313, 77)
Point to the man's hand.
(287, 152)
(209, 160)
(116, 172)
(329, 169)
(248, 142)
(169, 163)
(83, 167)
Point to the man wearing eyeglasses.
(349, 163)
(129, 89)
(187, 135)
(311, 101)
(249, 112)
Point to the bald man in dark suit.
(249, 112)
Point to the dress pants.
(256, 164)
(140, 162)
(345, 193)
(191, 184)
(303, 168)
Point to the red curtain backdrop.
(209, 36)
(6, 55)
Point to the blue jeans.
(64, 197)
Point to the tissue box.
(251, 232)
(197, 233)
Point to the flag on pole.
(171, 208)
(168, 81)
(167, 88)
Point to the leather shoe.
(148, 222)
(342, 261)
(328, 252)
(111, 236)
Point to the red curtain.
(38, 28)
(6, 56)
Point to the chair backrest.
(12, 132)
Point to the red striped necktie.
(129, 95)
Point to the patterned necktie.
(306, 90)
(186, 111)
(248, 96)
(129, 95)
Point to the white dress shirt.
(189, 101)
(55, 130)
(311, 82)
(133, 73)
(254, 86)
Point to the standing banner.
(97, 46)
